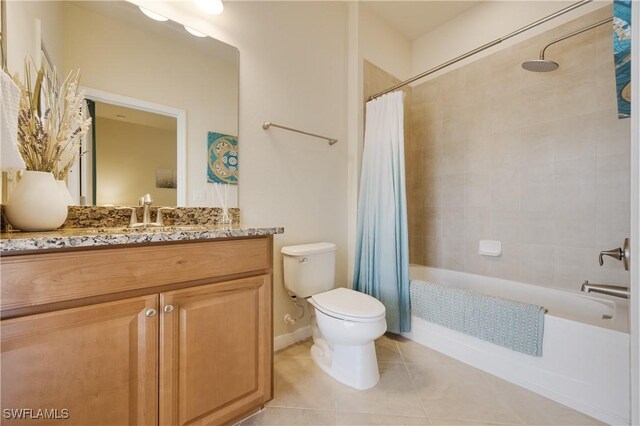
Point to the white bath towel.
(9, 105)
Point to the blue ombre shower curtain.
(382, 243)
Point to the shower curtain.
(382, 247)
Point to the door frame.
(181, 132)
(634, 305)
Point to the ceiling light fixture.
(210, 7)
(153, 15)
(194, 32)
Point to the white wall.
(635, 220)
(23, 37)
(382, 45)
(293, 62)
(487, 21)
(25, 30)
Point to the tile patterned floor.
(418, 386)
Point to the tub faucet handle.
(620, 253)
(615, 253)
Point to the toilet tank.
(309, 268)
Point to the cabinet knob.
(168, 308)
(151, 312)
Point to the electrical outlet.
(199, 196)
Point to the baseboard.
(284, 340)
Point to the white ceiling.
(128, 13)
(135, 116)
(414, 19)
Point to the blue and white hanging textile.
(382, 247)
(514, 325)
(622, 54)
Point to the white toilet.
(344, 322)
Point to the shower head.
(545, 65)
(540, 65)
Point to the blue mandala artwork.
(223, 158)
(622, 54)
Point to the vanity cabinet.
(94, 364)
(215, 351)
(187, 340)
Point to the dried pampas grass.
(51, 121)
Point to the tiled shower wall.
(538, 161)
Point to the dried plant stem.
(51, 122)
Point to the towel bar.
(268, 124)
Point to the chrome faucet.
(610, 290)
(145, 201)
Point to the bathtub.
(585, 361)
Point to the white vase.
(36, 203)
(64, 190)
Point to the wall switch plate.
(490, 248)
(199, 196)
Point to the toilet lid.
(343, 301)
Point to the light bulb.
(194, 32)
(153, 15)
(210, 7)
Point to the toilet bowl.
(343, 338)
(344, 322)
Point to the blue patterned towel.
(514, 325)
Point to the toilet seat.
(349, 305)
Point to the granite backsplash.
(111, 217)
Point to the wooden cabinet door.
(96, 365)
(216, 351)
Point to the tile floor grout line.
(285, 356)
(415, 390)
(382, 414)
(480, 422)
(400, 352)
(415, 387)
(424, 408)
(289, 407)
(485, 379)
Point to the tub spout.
(611, 290)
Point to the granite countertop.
(91, 237)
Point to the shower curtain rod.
(481, 48)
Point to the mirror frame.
(181, 129)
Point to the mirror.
(120, 179)
(136, 68)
